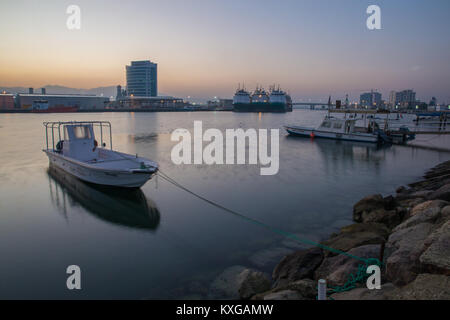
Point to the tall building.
(142, 79)
(405, 98)
(392, 99)
(370, 99)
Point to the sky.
(204, 48)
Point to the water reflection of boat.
(127, 207)
(350, 152)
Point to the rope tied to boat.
(360, 276)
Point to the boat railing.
(56, 126)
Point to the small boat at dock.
(339, 129)
(72, 147)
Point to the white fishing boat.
(75, 150)
(339, 129)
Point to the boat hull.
(56, 110)
(307, 132)
(259, 107)
(114, 178)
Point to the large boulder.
(436, 258)
(443, 193)
(428, 205)
(284, 295)
(402, 253)
(305, 289)
(375, 208)
(253, 282)
(410, 202)
(357, 235)
(424, 287)
(385, 293)
(297, 266)
(337, 269)
(445, 213)
(390, 218)
(375, 228)
(366, 205)
(429, 215)
(226, 285)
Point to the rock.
(297, 266)
(355, 236)
(390, 218)
(390, 203)
(427, 205)
(443, 193)
(254, 282)
(284, 295)
(375, 208)
(445, 213)
(429, 215)
(421, 194)
(402, 253)
(400, 189)
(436, 258)
(376, 228)
(385, 293)
(337, 269)
(410, 203)
(366, 205)
(307, 288)
(425, 287)
(227, 284)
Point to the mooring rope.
(358, 277)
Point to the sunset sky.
(205, 48)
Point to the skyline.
(205, 48)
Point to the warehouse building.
(60, 102)
(6, 101)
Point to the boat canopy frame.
(53, 125)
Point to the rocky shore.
(409, 232)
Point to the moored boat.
(77, 152)
(261, 101)
(339, 129)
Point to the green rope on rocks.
(359, 276)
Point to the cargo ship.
(42, 106)
(276, 100)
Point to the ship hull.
(260, 107)
(308, 132)
(56, 110)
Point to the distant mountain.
(56, 89)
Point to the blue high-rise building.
(370, 99)
(142, 79)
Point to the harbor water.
(161, 242)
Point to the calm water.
(162, 242)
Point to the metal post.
(322, 290)
(110, 135)
(53, 138)
(46, 135)
(59, 132)
(101, 134)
